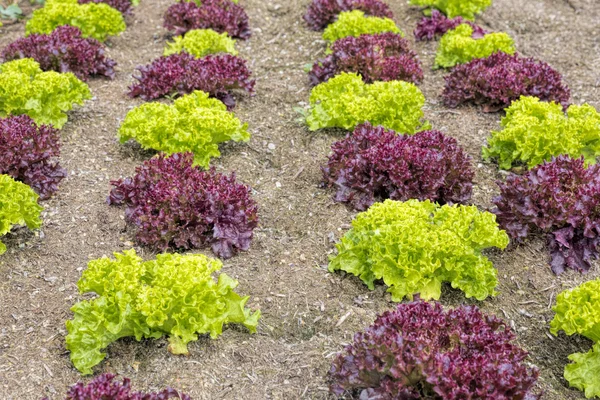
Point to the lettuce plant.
(374, 163)
(194, 123)
(356, 23)
(27, 154)
(124, 6)
(578, 312)
(174, 295)
(321, 13)
(218, 15)
(561, 199)
(534, 131)
(95, 20)
(183, 73)
(201, 42)
(376, 57)
(44, 96)
(421, 351)
(455, 8)
(19, 207)
(429, 28)
(346, 101)
(458, 46)
(500, 79)
(415, 246)
(63, 50)
(104, 387)
(176, 205)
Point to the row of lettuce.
(174, 201)
(424, 233)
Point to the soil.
(308, 313)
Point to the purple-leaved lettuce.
(561, 199)
(376, 57)
(430, 28)
(104, 387)
(421, 351)
(63, 50)
(376, 164)
(28, 154)
(218, 15)
(183, 73)
(498, 80)
(321, 13)
(176, 205)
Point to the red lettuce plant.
(321, 13)
(377, 57)
(374, 163)
(420, 351)
(498, 80)
(176, 205)
(183, 73)
(560, 198)
(63, 50)
(27, 152)
(429, 28)
(105, 388)
(124, 6)
(218, 15)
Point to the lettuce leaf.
(455, 8)
(355, 23)
(414, 246)
(96, 20)
(174, 295)
(458, 46)
(584, 372)
(578, 311)
(18, 206)
(201, 42)
(345, 101)
(193, 123)
(534, 131)
(44, 96)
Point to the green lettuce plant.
(44, 96)
(454, 8)
(415, 246)
(355, 23)
(578, 312)
(18, 206)
(457, 46)
(193, 123)
(345, 101)
(174, 295)
(202, 42)
(96, 20)
(534, 131)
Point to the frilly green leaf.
(96, 20)
(201, 42)
(455, 8)
(414, 246)
(355, 23)
(193, 123)
(584, 372)
(174, 295)
(44, 96)
(18, 206)
(578, 311)
(346, 101)
(458, 47)
(535, 131)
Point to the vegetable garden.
(315, 199)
